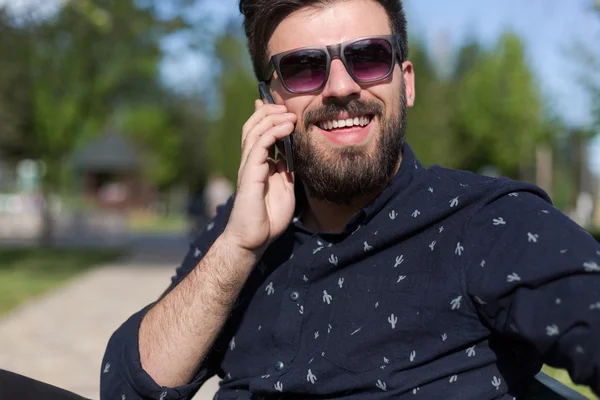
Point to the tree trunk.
(544, 168)
(46, 233)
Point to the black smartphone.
(283, 147)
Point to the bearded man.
(362, 274)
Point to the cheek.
(393, 99)
(299, 105)
(390, 92)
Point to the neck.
(322, 216)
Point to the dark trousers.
(15, 386)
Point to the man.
(363, 274)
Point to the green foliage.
(67, 75)
(14, 92)
(428, 121)
(152, 128)
(76, 69)
(592, 80)
(488, 111)
(237, 90)
(172, 135)
(499, 110)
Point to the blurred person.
(196, 213)
(363, 274)
(216, 193)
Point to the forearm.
(178, 332)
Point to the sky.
(548, 28)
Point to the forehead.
(341, 21)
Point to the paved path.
(60, 338)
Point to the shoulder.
(484, 190)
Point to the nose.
(340, 86)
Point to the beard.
(341, 175)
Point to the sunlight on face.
(339, 164)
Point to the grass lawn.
(563, 376)
(148, 223)
(26, 273)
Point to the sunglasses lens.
(369, 59)
(304, 70)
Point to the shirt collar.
(398, 184)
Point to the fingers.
(272, 117)
(257, 156)
(260, 128)
(262, 110)
(281, 169)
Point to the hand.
(264, 200)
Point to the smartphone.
(283, 147)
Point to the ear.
(408, 74)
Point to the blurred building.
(110, 169)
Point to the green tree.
(172, 134)
(468, 56)
(428, 131)
(500, 113)
(13, 91)
(592, 77)
(77, 67)
(237, 88)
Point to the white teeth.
(342, 123)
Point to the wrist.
(236, 262)
(232, 243)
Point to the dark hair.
(261, 17)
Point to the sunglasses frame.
(336, 51)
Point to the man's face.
(340, 164)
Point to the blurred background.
(120, 130)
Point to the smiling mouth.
(329, 125)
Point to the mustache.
(332, 110)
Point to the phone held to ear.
(283, 147)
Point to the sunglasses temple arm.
(400, 48)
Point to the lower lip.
(348, 136)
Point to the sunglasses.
(367, 59)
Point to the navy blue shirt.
(449, 284)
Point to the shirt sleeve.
(534, 274)
(122, 375)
